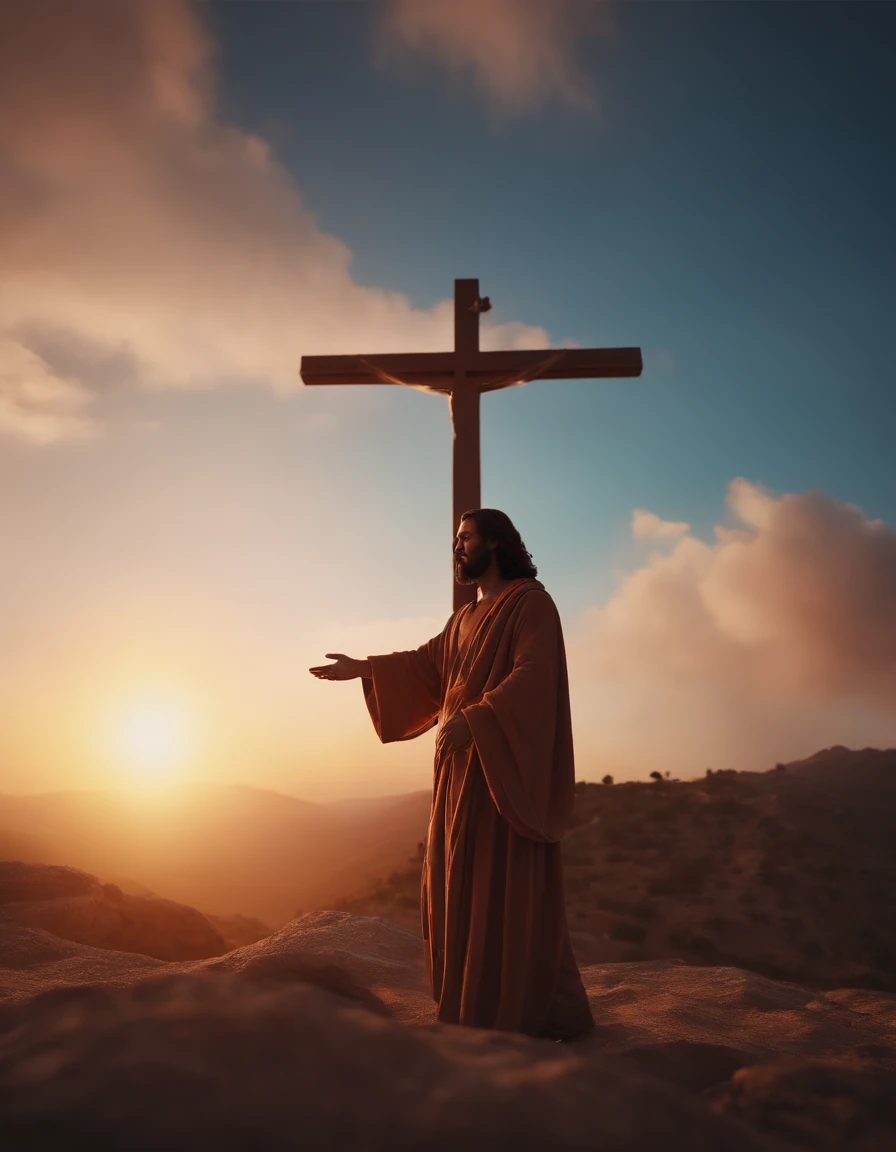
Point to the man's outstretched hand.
(345, 668)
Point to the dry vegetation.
(788, 873)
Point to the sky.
(194, 196)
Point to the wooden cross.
(462, 375)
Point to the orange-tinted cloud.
(36, 403)
(521, 53)
(777, 639)
(142, 240)
(648, 526)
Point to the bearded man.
(496, 940)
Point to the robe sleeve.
(404, 692)
(522, 728)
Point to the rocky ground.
(323, 1035)
(736, 935)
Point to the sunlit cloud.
(523, 54)
(777, 639)
(648, 526)
(145, 242)
(36, 403)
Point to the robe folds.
(496, 940)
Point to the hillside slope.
(788, 873)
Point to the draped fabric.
(494, 924)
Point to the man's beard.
(469, 569)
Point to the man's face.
(472, 555)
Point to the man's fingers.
(335, 655)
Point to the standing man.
(493, 903)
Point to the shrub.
(625, 930)
(623, 835)
(771, 875)
(681, 938)
(609, 904)
(730, 806)
(686, 875)
(607, 780)
(577, 853)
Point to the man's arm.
(345, 668)
(402, 690)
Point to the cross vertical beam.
(463, 404)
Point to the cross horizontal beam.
(463, 375)
(485, 370)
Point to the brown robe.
(493, 903)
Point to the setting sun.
(153, 736)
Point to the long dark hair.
(492, 525)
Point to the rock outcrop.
(74, 905)
(324, 1034)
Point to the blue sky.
(727, 207)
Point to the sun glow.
(154, 737)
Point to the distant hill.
(789, 872)
(225, 849)
(74, 905)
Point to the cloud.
(774, 641)
(648, 526)
(521, 53)
(37, 404)
(145, 242)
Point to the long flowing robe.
(493, 903)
